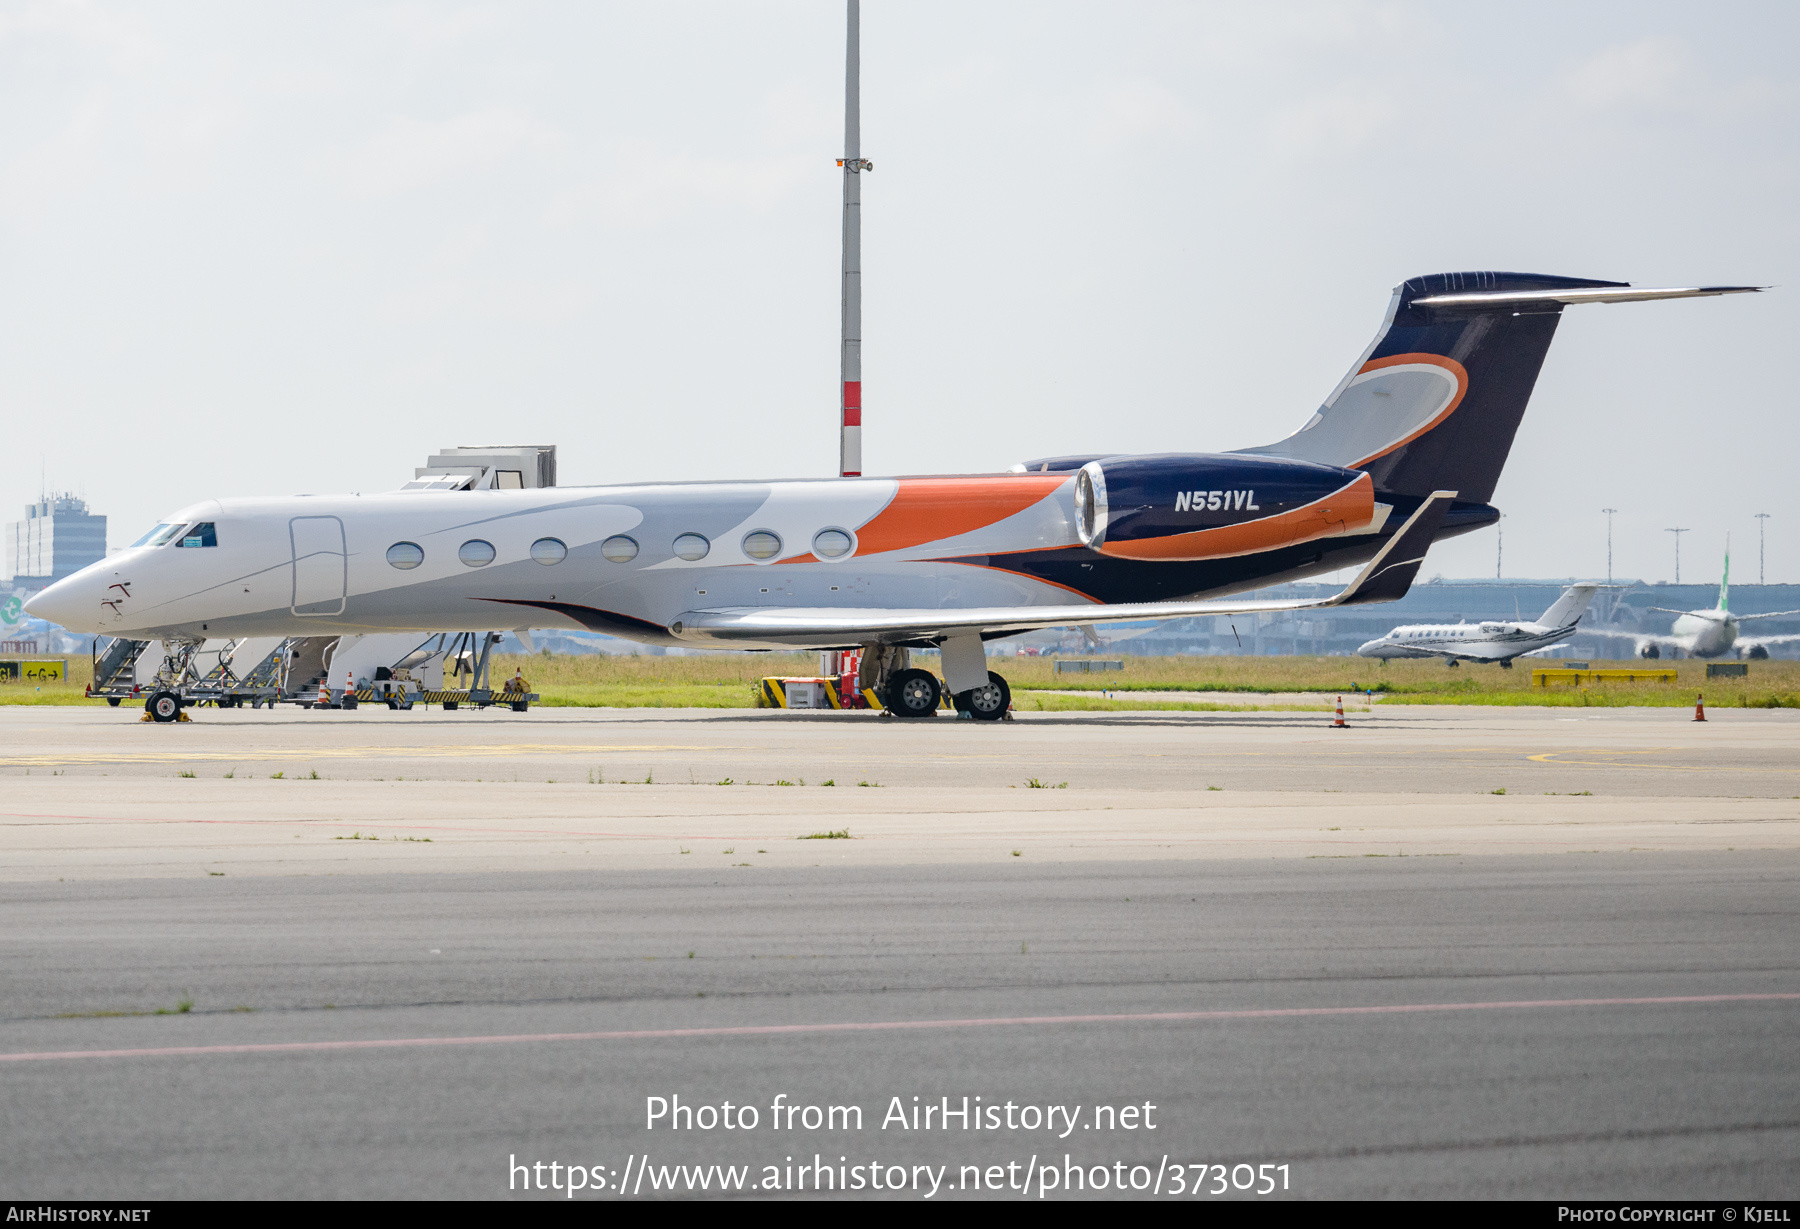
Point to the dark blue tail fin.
(1434, 403)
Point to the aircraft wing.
(1763, 642)
(1638, 639)
(1480, 654)
(1773, 614)
(1386, 577)
(1431, 652)
(1714, 615)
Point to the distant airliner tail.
(1436, 399)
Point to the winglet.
(1390, 573)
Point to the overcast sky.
(274, 248)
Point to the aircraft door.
(321, 565)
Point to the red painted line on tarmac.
(878, 1026)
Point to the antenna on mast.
(850, 349)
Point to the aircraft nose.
(68, 603)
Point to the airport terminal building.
(57, 538)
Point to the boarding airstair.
(115, 668)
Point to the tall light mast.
(850, 462)
(1762, 520)
(1677, 533)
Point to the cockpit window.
(159, 536)
(202, 534)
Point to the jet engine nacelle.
(1650, 652)
(1182, 506)
(1757, 652)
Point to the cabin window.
(405, 555)
(160, 535)
(691, 547)
(202, 534)
(619, 549)
(762, 544)
(548, 551)
(832, 544)
(476, 553)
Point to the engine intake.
(1186, 506)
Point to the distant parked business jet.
(1405, 450)
(1489, 641)
(1708, 633)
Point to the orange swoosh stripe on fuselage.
(1351, 504)
(934, 509)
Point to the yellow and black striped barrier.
(774, 693)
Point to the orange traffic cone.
(1699, 706)
(1340, 723)
(324, 700)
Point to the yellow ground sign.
(1543, 678)
(21, 671)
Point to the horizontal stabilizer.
(1773, 614)
(1626, 294)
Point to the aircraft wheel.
(1454, 663)
(164, 706)
(987, 703)
(1507, 664)
(913, 693)
(113, 700)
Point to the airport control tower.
(57, 538)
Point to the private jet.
(1406, 450)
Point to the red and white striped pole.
(850, 464)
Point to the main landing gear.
(917, 693)
(164, 706)
(987, 703)
(913, 693)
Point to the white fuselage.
(1705, 633)
(556, 557)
